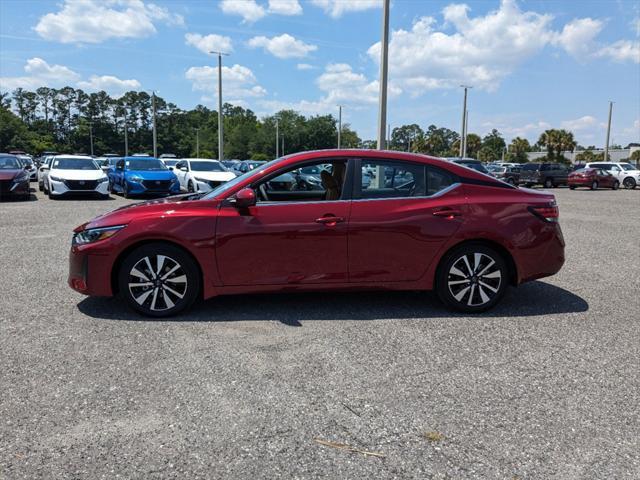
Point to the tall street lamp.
(339, 125)
(463, 129)
(155, 133)
(606, 146)
(384, 69)
(220, 124)
(91, 137)
(197, 143)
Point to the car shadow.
(531, 299)
(90, 197)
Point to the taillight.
(548, 213)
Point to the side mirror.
(170, 168)
(184, 169)
(245, 198)
(43, 168)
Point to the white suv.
(75, 174)
(201, 174)
(627, 174)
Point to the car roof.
(201, 160)
(86, 157)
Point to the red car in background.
(14, 178)
(592, 178)
(375, 220)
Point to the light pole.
(155, 134)
(282, 144)
(384, 68)
(220, 124)
(277, 139)
(466, 134)
(606, 146)
(126, 138)
(91, 137)
(197, 143)
(463, 130)
(339, 125)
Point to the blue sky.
(533, 64)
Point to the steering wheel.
(263, 192)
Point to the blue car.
(142, 176)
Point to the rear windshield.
(9, 163)
(475, 165)
(207, 167)
(585, 170)
(74, 164)
(149, 164)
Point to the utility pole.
(388, 142)
(155, 134)
(277, 140)
(466, 134)
(126, 138)
(339, 125)
(220, 123)
(197, 143)
(463, 130)
(91, 137)
(283, 144)
(384, 69)
(606, 146)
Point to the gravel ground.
(545, 386)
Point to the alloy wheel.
(157, 282)
(474, 279)
(629, 183)
(594, 186)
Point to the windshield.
(9, 163)
(531, 166)
(74, 164)
(253, 165)
(148, 164)
(235, 181)
(170, 163)
(26, 160)
(627, 167)
(207, 167)
(312, 170)
(475, 165)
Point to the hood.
(152, 175)
(173, 205)
(9, 174)
(215, 176)
(77, 174)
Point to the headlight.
(135, 178)
(56, 179)
(95, 234)
(203, 180)
(21, 177)
(103, 179)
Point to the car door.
(285, 240)
(118, 174)
(605, 179)
(400, 221)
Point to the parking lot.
(544, 386)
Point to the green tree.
(404, 138)
(518, 149)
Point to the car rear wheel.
(472, 278)
(616, 185)
(159, 280)
(629, 183)
(190, 187)
(594, 185)
(548, 183)
(572, 187)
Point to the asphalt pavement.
(349, 385)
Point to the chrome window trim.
(435, 195)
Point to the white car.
(201, 175)
(75, 174)
(627, 174)
(43, 169)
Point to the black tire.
(190, 187)
(594, 185)
(465, 290)
(629, 183)
(125, 191)
(161, 296)
(528, 185)
(548, 183)
(616, 185)
(104, 197)
(572, 187)
(511, 181)
(40, 186)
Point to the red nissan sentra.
(351, 219)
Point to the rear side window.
(531, 166)
(391, 179)
(438, 179)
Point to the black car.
(547, 174)
(246, 165)
(471, 163)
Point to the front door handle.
(329, 220)
(447, 213)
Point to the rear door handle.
(329, 220)
(447, 213)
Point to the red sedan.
(369, 220)
(592, 178)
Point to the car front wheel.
(472, 278)
(594, 185)
(629, 183)
(159, 280)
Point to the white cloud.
(249, 10)
(282, 46)
(41, 74)
(110, 84)
(578, 36)
(285, 7)
(94, 21)
(237, 81)
(208, 43)
(621, 51)
(342, 85)
(582, 123)
(336, 8)
(304, 66)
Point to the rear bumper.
(545, 260)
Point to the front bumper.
(89, 274)
(78, 187)
(9, 188)
(154, 187)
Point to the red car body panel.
(586, 178)
(394, 243)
